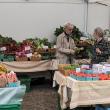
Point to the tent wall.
(105, 2)
(58, 1)
(22, 19)
(98, 16)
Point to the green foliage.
(76, 34)
(89, 52)
(58, 31)
(6, 40)
(39, 43)
(107, 33)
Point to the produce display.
(83, 61)
(8, 79)
(85, 43)
(36, 57)
(28, 50)
(12, 80)
(77, 50)
(66, 68)
(2, 69)
(86, 52)
(3, 80)
(85, 73)
(11, 50)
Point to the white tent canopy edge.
(106, 2)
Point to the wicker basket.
(40, 50)
(34, 58)
(65, 72)
(3, 82)
(52, 50)
(61, 66)
(21, 59)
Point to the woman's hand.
(98, 51)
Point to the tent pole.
(85, 15)
(109, 17)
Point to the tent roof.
(106, 2)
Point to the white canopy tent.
(105, 2)
(39, 18)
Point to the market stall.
(11, 90)
(28, 66)
(80, 92)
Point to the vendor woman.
(101, 54)
(65, 45)
(100, 49)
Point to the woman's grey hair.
(99, 31)
(68, 25)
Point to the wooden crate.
(40, 50)
(33, 58)
(52, 50)
(21, 59)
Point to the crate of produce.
(21, 59)
(25, 80)
(53, 56)
(65, 72)
(62, 66)
(10, 107)
(46, 57)
(1, 56)
(41, 50)
(11, 57)
(52, 50)
(8, 58)
(35, 58)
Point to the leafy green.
(76, 34)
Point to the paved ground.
(41, 97)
